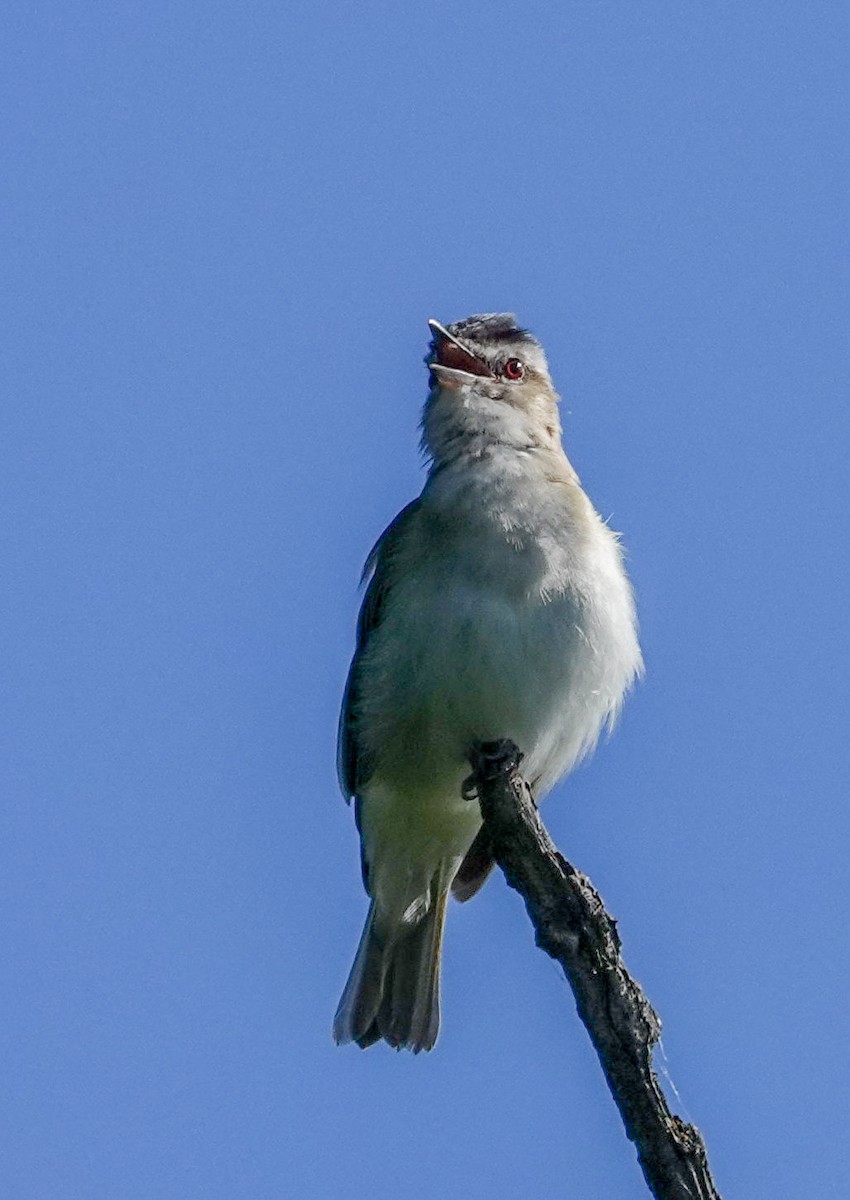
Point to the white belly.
(520, 639)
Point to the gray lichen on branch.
(572, 925)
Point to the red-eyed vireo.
(497, 607)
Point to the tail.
(393, 991)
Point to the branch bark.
(572, 926)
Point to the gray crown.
(490, 327)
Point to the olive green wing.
(353, 765)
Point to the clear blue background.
(225, 226)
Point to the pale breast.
(500, 626)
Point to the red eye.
(513, 369)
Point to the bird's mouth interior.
(447, 351)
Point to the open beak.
(450, 358)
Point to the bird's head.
(490, 385)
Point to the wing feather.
(353, 766)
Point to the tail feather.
(361, 997)
(393, 991)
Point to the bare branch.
(572, 926)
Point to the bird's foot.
(489, 759)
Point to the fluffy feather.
(498, 607)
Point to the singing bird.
(497, 606)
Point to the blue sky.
(225, 226)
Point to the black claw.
(494, 758)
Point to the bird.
(497, 606)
